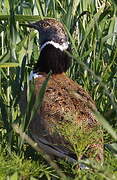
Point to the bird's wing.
(65, 101)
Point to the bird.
(66, 104)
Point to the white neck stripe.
(62, 47)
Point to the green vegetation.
(92, 30)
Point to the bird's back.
(65, 102)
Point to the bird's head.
(51, 30)
(53, 42)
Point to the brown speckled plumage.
(63, 98)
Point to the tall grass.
(92, 31)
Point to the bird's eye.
(46, 25)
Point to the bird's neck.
(53, 58)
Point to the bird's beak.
(33, 25)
